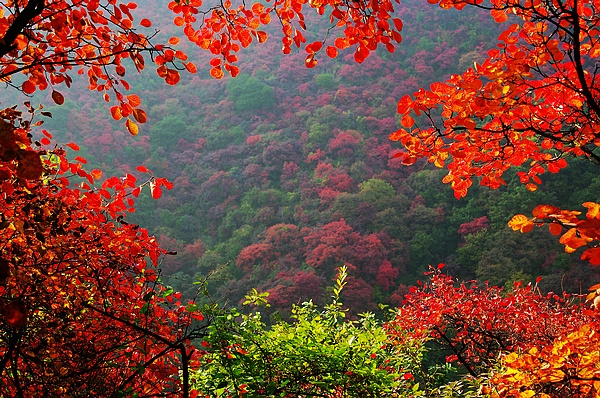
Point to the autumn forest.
(294, 198)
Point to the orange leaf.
(261, 36)
(181, 55)
(190, 67)
(265, 18)
(134, 100)
(543, 211)
(96, 174)
(132, 127)
(216, 72)
(257, 8)
(115, 112)
(555, 229)
(407, 121)
(254, 24)
(174, 40)
(145, 23)
(499, 16)
(571, 241)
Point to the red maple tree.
(81, 308)
(475, 326)
(533, 102)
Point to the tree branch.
(23, 18)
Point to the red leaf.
(407, 121)
(358, 57)
(314, 47)
(139, 115)
(15, 313)
(310, 61)
(592, 255)
(28, 87)
(397, 24)
(57, 97)
(73, 146)
(404, 104)
(172, 77)
(156, 191)
(331, 51)
(409, 160)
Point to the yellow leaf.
(520, 222)
(593, 209)
(131, 127)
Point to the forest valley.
(324, 198)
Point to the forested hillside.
(284, 173)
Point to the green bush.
(319, 353)
(250, 94)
